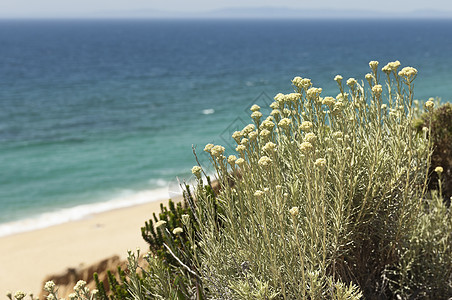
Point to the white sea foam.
(208, 111)
(125, 199)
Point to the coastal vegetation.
(328, 197)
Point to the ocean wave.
(125, 199)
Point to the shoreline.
(26, 258)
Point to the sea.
(97, 115)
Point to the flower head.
(310, 137)
(305, 126)
(269, 147)
(240, 161)
(232, 159)
(49, 286)
(306, 147)
(240, 148)
(255, 107)
(196, 170)
(285, 123)
(328, 101)
(429, 104)
(373, 65)
(351, 82)
(408, 72)
(208, 147)
(237, 135)
(439, 169)
(160, 223)
(256, 115)
(80, 285)
(338, 79)
(19, 295)
(320, 163)
(217, 150)
(264, 161)
(264, 133)
(377, 89)
(294, 211)
(177, 230)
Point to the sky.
(104, 8)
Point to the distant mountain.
(279, 13)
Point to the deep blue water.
(97, 111)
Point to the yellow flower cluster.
(217, 150)
(177, 230)
(232, 159)
(196, 170)
(328, 101)
(305, 126)
(302, 83)
(264, 161)
(255, 107)
(439, 169)
(310, 137)
(320, 163)
(377, 89)
(338, 79)
(294, 211)
(256, 115)
(313, 93)
(259, 193)
(269, 147)
(392, 66)
(306, 147)
(408, 72)
(285, 123)
(351, 82)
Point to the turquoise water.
(102, 114)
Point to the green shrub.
(439, 124)
(331, 189)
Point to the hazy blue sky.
(71, 8)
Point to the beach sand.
(26, 258)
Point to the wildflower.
(196, 170)
(338, 79)
(377, 90)
(49, 285)
(237, 135)
(351, 82)
(244, 141)
(51, 297)
(217, 150)
(305, 83)
(297, 81)
(256, 115)
(248, 128)
(373, 65)
(275, 112)
(408, 72)
(285, 123)
(320, 163)
(177, 230)
(208, 147)
(280, 98)
(81, 283)
(269, 147)
(240, 161)
(95, 292)
(255, 107)
(305, 126)
(429, 104)
(274, 105)
(342, 97)
(328, 101)
(264, 161)
(313, 93)
(232, 159)
(264, 133)
(252, 135)
(158, 224)
(294, 211)
(310, 137)
(384, 106)
(240, 148)
(293, 97)
(439, 169)
(392, 66)
(306, 147)
(72, 296)
(19, 295)
(258, 193)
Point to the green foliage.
(330, 191)
(424, 268)
(439, 123)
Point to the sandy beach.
(26, 258)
